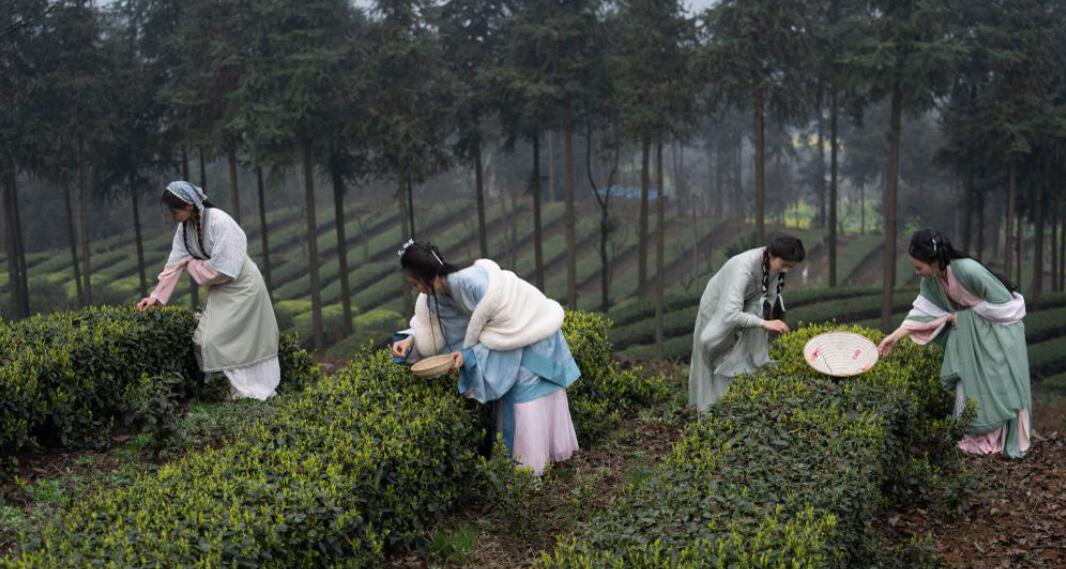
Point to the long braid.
(768, 309)
(196, 219)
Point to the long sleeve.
(229, 244)
(168, 281)
(980, 282)
(204, 274)
(928, 316)
(728, 316)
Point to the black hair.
(789, 249)
(932, 246)
(173, 202)
(423, 262)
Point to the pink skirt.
(543, 431)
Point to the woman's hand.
(147, 302)
(889, 343)
(399, 349)
(457, 360)
(778, 326)
(951, 319)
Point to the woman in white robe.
(740, 306)
(237, 332)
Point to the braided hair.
(931, 246)
(783, 247)
(175, 203)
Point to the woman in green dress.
(740, 306)
(977, 317)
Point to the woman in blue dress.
(505, 339)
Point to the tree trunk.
(740, 207)
(184, 163)
(231, 157)
(312, 248)
(194, 289)
(571, 214)
(405, 230)
(552, 194)
(821, 163)
(342, 250)
(833, 199)
(17, 292)
(538, 231)
(891, 191)
(1008, 241)
(967, 206)
(411, 205)
(980, 225)
(660, 248)
(1019, 242)
(719, 179)
(263, 231)
(1055, 223)
(760, 167)
(642, 239)
(605, 269)
(72, 234)
(20, 243)
(135, 199)
(83, 219)
(1062, 244)
(1038, 247)
(862, 209)
(479, 187)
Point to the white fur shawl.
(512, 314)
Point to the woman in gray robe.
(741, 305)
(237, 333)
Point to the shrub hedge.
(66, 377)
(787, 470)
(367, 458)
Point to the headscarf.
(188, 193)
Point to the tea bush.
(787, 470)
(66, 377)
(605, 389)
(359, 461)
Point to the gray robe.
(728, 339)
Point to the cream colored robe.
(728, 339)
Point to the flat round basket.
(432, 366)
(840, 354)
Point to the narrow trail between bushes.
(1018, 518)
(570, 494)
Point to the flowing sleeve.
(229, 245)
(178, 253)
(486, 374)
(980, 282)
(927, 317)
(984, 294)
(171, 274)
(727, 315)
(203, 274)
(168, 281)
